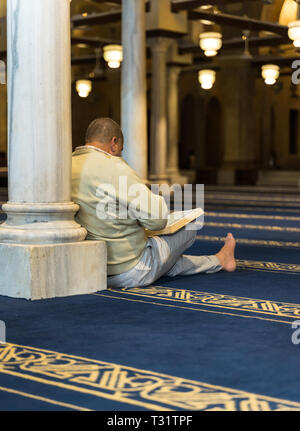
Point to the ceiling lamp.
(270, 73)
(82, 45)
(294, 33)
(210, 42)
(113, 55)
(207, 78)
(207, 8)
(83, 87)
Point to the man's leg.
(169, 258)
(164, 256)
(189, 265)
(160, 255)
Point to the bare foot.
(226, 254)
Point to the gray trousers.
(163, 255)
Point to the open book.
(176, 221)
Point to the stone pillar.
(3, 118)
(158, 149)
(173, 127)
(41, 248)
(237, 83)
(134, 91)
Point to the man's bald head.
(103, 130)
(106, 134)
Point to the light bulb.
(83, 87)
(294, 32)
(113, 55)
(210, 42)
(270, 73)
(207, 78)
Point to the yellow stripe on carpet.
(251, 226)
(246, 241)
(250, 216)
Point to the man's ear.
(114, 144)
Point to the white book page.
(177, 215)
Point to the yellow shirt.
(115, 206)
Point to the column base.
(41, 223)
(52, 270)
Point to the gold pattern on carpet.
(216, 300)
(289, 268)
(124, 384)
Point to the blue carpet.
(203, 342)
(273, 235)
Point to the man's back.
(100, 184)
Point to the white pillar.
(39, 124)
(134, 91)
(40, 213)
(173, 127)
(158, 150)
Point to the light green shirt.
(98, 177)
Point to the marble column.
(3, 119)
(173, 127)
(158, 145)
(40, 242)
(134, 91)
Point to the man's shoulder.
(100, 163)
(91, 154)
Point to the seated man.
(133, 259)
